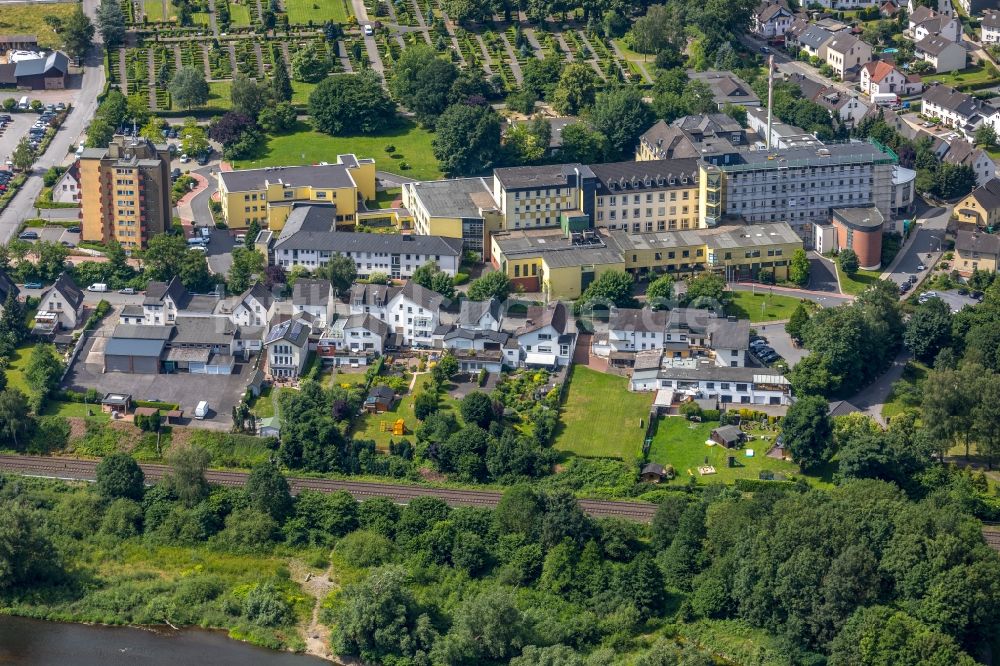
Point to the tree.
(611, 288)
(187, 479)
(986, 136)
(237, 132)
(341, 271)
(378, 619)
(248, 96)
(576, 89)
(194, 139)
(253, 230)
(582, 144)
(848, 261)
(188, 87)
(656, 31)
(522, 146)
(77, 33)
(23, 156)
(797, 322)
(660, 291)
(486, 628)
(43, 372)
(929, 330)
(808, 432)
(495, 284)
(477, 408)
(16, 422)
(281, 85)
(350, 104)
(468, 140)
(423, 82)
(277, 118)
(707, 290)
(307, 64)
(798, 268)
(953, 180)
(111, 22)
(152, 130)
(621, 115)
(246, 264)
(27, 554)
(429, 276)
(267, 490)
(425, 403)
(119, 476)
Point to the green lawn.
(681, 443)
(306, 146)
(15, 369)
(200, 18)
(970, 76)
(301, 91)
(218, 98)
(29, 18)
(316, 11)
(153, 10)
(858, 282)
(74, 409)
(600, 417)
(239, 14)
(906, 393)
(369, 426)
(385, 198)
(761, 307)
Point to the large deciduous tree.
(808, 432)
(467, 140)
(349, 104)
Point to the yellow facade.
(976, 213)
(267, 200)
(671, 208)
(93, 226)
(566, 281)
(967, 262)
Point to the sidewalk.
(787, 291)
(184, 210)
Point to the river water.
(40, 643)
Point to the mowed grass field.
(239, 14)
(317, 11)
(601, 418)
(858, 282)
(761, 307)
(29, 18)
(681, 443)
(153, 9)
(304, 145)
(369, 426)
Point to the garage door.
(117, 363)
(145, 365)
(196, 368)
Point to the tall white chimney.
(770, 97)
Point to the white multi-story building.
(353, 340)
(256, 307)
(925, 22)
(954, 109)
(771, 19)
(879, 77)
(944, 54)
(308, 240)
(990, 27)
(546, 338)
(539, 196)
(705, 380)
(287, 346)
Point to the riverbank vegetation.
(775, 573)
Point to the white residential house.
(847, 54)
(314, 298)
(353, 340)
(813, 40)
(67, 188)
(414, 313)
(255, 308)
(771, 19)
(370, 299)
(704, 380)
(631, 330)
(848, 109)
(990, 27)
(60, 306)
(287, 346)
(944, 54)
(546, 338)
(925, 22)
(879, 77)
(480, 315)
(162, 301)
(961, 152)
(954, 109)
(943, 7)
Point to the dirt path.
(318, 587)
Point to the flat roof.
(327, 176)
(729, 236)
(551, 175)
(555, 249)
(459, 197)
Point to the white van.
(201, 411)
(206, 232)
(98, 286)
(197, 241)
(23, 104)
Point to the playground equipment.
(397, 427)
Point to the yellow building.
(456, 208)
(562, 266)
(535, 197)
(975, 250)
(981, 208)
(266, 195)
(551, 263)
(647, 196)
(125, 192)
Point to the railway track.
(75, 469)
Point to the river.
(39, 643)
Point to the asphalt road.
(84, 470)
(92, 83)
(925, 240)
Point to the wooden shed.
(729, 436)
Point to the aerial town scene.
(457, 333)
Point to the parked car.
(74, 230)
(67, 244)
(921, 267)
(976, 294)
(905, 287)
(28, 235)
(369, 31)
(100, 287)
(127, 290)
(176, 173)
(963, 291)
(185, 159)
(198, 248)
(32, 285)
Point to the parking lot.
(955, 300)
(14, 131)
(54, 234)
(221, 391)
